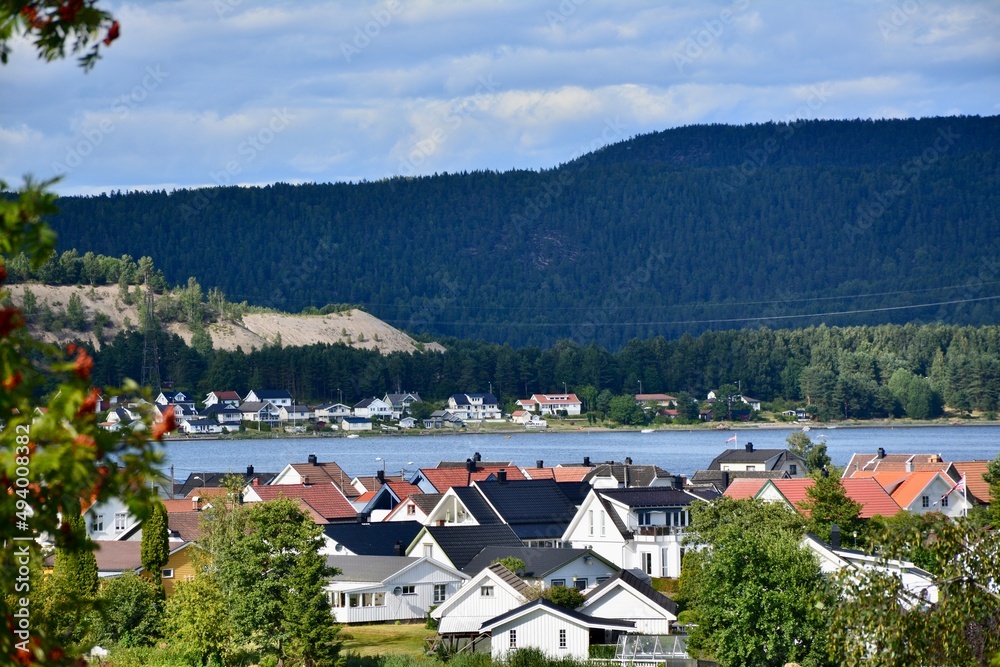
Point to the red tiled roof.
(365, 497)
(555, 398)
(326, 499)
(403, 489)
(895, 463)
(794, 491)
(559, 473)
(327, 472)
(744, 487)
(179, 505)
(227, 396)
(118, 556)
(976, 485)
(912, 486)
(443, 479)
(873, 498)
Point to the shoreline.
(719, 426)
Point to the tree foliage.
(758, 597)
(814, 453)
(827, 504)
(129, 611)
(155, 548)
(563, 596)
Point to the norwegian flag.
(732, 439)
(958, 487)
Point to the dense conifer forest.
(681, 231)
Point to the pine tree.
(155, 544)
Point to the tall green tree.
(155, 548)
(67, 595)
(814, 453)
(760, 598)
(827, 504)
(129, 611)
(197, 619)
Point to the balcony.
(659, 531)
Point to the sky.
(218, 92)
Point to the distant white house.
(373, 589)
(474, 407)
(373, 408)
(230, 398)
(551, 404)
(277, 397)
(294, 413)
(333, 412)
(401, 403)
(109, 520)
(200, 427)
(355, 424)
(266, 412)
(407, 422)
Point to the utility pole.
(150, 356)
(640, 386)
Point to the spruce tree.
(155, 544)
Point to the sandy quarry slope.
(355, 328)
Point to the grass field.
(405, 639)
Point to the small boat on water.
(353, 435)
(646, 430)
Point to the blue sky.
(204, 92)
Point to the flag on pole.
(732, 439)
(960, 486)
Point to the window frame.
(563, 643)
(486, 592)
(440, 593)
(167, 573)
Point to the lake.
(680, 452)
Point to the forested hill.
(679, 231)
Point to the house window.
(486, 591)
(590, 519)
(603, 522)
(925, 501)
(562, 638)
(580, 583)
(352, 600)
(645, 518)
(121, 519)
(559, 582)
(380, 599)
(601, 580)
(512, 643)
(646, 562)
(366, 599)
(793, 469)
(167, 573)
(751, 468)
(97, 525)
(429, 550)
(944, 501)
(411, 509)
(440, 593)
(409, 590)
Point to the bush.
(602, 651)
(129, 611)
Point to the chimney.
(249, 470)
(361, 518)
(305, 480)
(678, 482)
(586, 461)
(934, 458)
(835, 536)
(502, 475)
(397, 549)
(539, 463)
(196, 503)
(749, 446)
(256, 481)
(312, 459)
(628, 460)
(881, 452)
(825, 472)
(380, 476)
(725, 480)
(476, 457)
(470, 465)
(909, 464)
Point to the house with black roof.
(200, 480)
(400, 403)
(277, 397)
(369, 539)
(547, 567)
(457, 545)
(750, 459)
(474, 407)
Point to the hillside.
(696, 228)
(354, 328)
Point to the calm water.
(680, 452)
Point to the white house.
(177, 398)
(751, 459)
(551, 404)
(224, 414)
(626, 597)
(230, 398)
(556, 631)
(925, 491)
(200, 427)
(401, 403)
(494, 591)
(474, 406)
(294, 413)
(355, 424)
(277, 397)
(635, 528)
(333, 412)
(109, 520)
(373, 408)
(407, 422)
(371, 589)
(266, 413)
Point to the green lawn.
(405, 639)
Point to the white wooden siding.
(422, 577)
(625, 604)
(540, 630)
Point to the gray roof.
(364, 403)
(426, 501)
(368, 568)
(516, 582)
(397, 399)
(538, 561)
(749, 454)
(654, 497)
(656, 597)
(462, 543)
(721, 478)
(477, 505)
(630, 475)
(532, 501)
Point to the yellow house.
(179, 567)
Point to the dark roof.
(576, 492)
(373, 539)
(213, 479)
(397, 399)
(620, 526)
(583, 619)
(479, 464)
(462, 543)
(426, 501)
(532, 501)
(216, 408)
(654, 496)
(357, 420)
(714, 476)
(744, 455)
(538, 561)
(477, 505)
(629, 475)
(488, 399)
(371, 569)
(268, 394)
(364, 403)
(186, 525)
(516, 582)
(639, 585)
